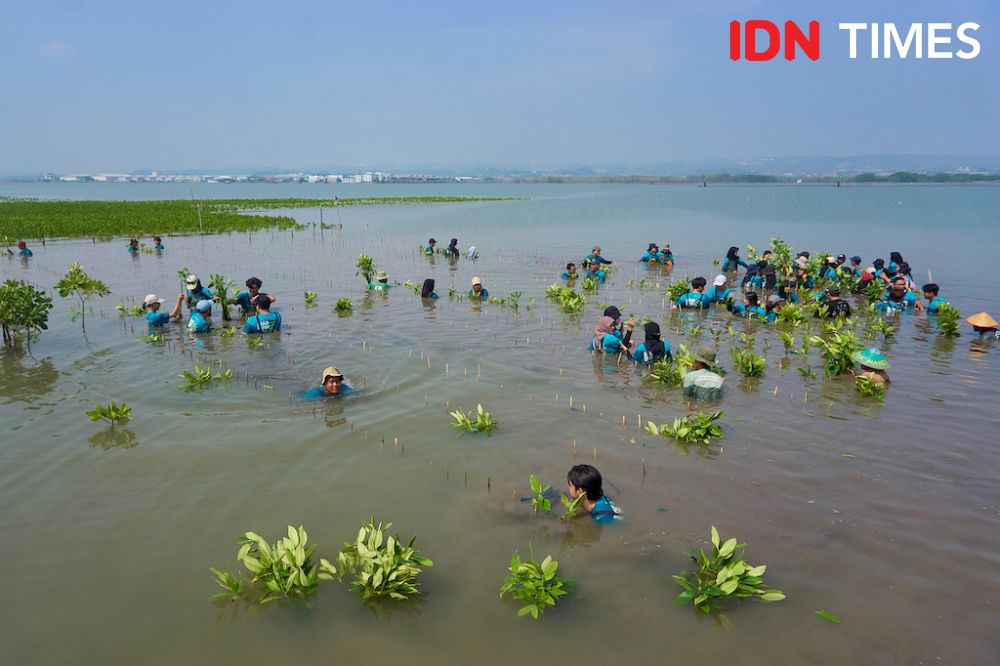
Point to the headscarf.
(605, 326)
(427, 289)
(653, 343)
(896, 257)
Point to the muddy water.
(884, 514)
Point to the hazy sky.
(123, 85)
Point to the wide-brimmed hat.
(332, 372)
(150, 299)
(706, 355)
(719, 281)
(871, 358)
(982, 320)
(191, 280)
(203, 306)
(477, 280)
(833, 290)
(381, 276)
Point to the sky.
(119, 86)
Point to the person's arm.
(626, 341)
(175, 314)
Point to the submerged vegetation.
(535, 584)
(700, 428)
(383, 566)
(202, 377)
(113, 413)
(484, 421)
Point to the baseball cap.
(150, 299)
(191, 280)
(432, 241)
(841, 256)
(856, 259)
(833, 290)
(203, 306)
(719, 281)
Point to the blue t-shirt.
(198, 324)
(741, 310)
(665, 256)
(643, 357)
(650, 256)
(158, 247)
(243, 300)
(202, 294)
(263, 323)
(693, 299)
(482, 295)
(25, 253)
(319, 393)
(379, 286)
(718, 294)
(598, 275)
(428, 250)
(732, 265)
(133, 250)
(433, 296)
(596, 259)
(567, 276)
(936, 303)
(909, 300)
(604, 511)
(451, 251)
(611, 343)
(157, 318)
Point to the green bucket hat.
(706, 355)
(871, 358)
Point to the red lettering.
(734, 40)
(774, 40)
(794, 37)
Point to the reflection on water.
(113, 438)
(24, 378)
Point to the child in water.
(586, 480)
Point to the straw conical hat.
(871, 358)
(982, 320)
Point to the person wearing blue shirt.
(595, 257)
(333, 386)
(154, 317)
(608, 338)
(23, 250)
(452, 249)
(665, 256)
(477, 292)
(264, 321)
(429, 250)
(788, 290)
(595, 273)
(933, 300)
(749, 308)
(898, 298)
(158, 244)
(652, 254)
(201, 317)
(427, 290)
(246, 299)
(570, 272)
(196, 292)
(381, 282)
(774, 303)
(732, 261)
(719, 293)
(133, 247)
(652, 349)
(695, 298)
(855, 268)
(586, 481)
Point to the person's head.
(898, 284)
(896, 258)
(382, 277)
(427, 289)
(841, 258)
(596, 250)
(571, 268)
(613, 312)
(157, 240)
(750, 299)
(263, 303)
(930, 291)
(833, 292)
(903, 268)
(652, 330)
(453, 243)
(134, 242)
(767, 255)
(192, 281)
(605, 325)
(204, 308)
(652, 248)
(879, 264)
(981, 322)
(698, 284)
(719, 281)
(432, 242)
(477, 284)
(704, 358)
(585, 480)
(774, 301)
(254, 284)
(733, 253)
(333, 380)
(152, 302)
(856, 261)
(21, 245)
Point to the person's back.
(838, 308)
(264, 322)
(703, 384)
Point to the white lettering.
(874, 41)
(854, 27)
(971, 41)
(913, 36)
(933, 39)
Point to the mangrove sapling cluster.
(677, 288)
(484, 421)
(539, 502)
(129, 311)
(570, 301)
(77, 283)
(284, 569)
(836, 350)
(879, 325)
(589, 285)
(875, 292)
(255, 341)
(153, 338)
(570, 506)
(202, 377)
(671, 372)
(343, 305)
(24, 311)
(871, 388)
(382, 566)
(113, 413)
(222, 287)
(535, 584)
(700, 428)
(366, 268)
(411, 285)
(724, 575)
(748, 363)
(947, 319)
(310, 297)
(792, 314)
(227, 331)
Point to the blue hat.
(871, 358)
(203, 306)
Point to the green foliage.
(284, 568)
(113, 413)
(153, 338)
(700, 428)
(871, 388)
(724, 575)
(781, 257)
(228, 332)
(535, 584)
(792, 314)
(126, 311)
(24, 311)
(677, 288)
(787, 340)
(836, 351)
(748, 363)
(570, 506)
(201, 378)
(221, 286)
(366, 268)
(382, 566)
(255, 341)
(672, 372)
(513, 298)
(695, 331)
(484, 421)
(589, 285)
(875, 291)
(807, 372)
(880, 325)
(411, 285)
(310, 297)
(829, 617)
(496, 300)
(948, 319)
(344, 305)
(540, 502)
(77, 283)
(451, 291)
(570, 301)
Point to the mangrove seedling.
(539, 501)
(484, 421)
(787, 340)
(310, 297)
(77, 283)
(589, 285)
(875, 292)
(255, 341)
(412, 286)
(513, 298)
(700, 428)
(570, 301)
(222, 286)
(495, 300)
(947, 319)
(126, 311)
(285, 568)
(153, 338)
(535, 584)
(869, 387)
(748, 363)
(343, 305)
(201, 378)
(24, 311)
(724, 575)
(792, 314)
(382, 566)
(880, 325)
(807, 372)
(451, 291)
(228, 331)
(366, 268)
(113, 413)
(677, 289)
(570, 506)
(836, 351)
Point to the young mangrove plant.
(539, 501)
(381, 565)
(284, 568)
(792, 314)
(869, 387)
(880, 325)
(366, 268)
(113, 413)
(153, 338)
(496, 300)
(672, 372)
(513, 298)
(535, 584)
(724, 575)
(343, 305)
(77, 283)
(126, 311)
(947, 319)
(310, 297)
(201, 378)
(787, 341)
(484, 421)
(570, 506)
(589, 285)
(836, 351)
(748, 363)
(222, 287)
(807, 372)
(570, 301)
(228, 331)
(700, 428)
(677, 288)
(255, 341)
(875, 292)
(24, 311)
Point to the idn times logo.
(759, 40)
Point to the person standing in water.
(264, 321)
(151, 304)
(133, 247)
(653, 349)
(586, 481)
(332, 386)
(452, 249)
(478, 292)
(701, 382)
(158, 244)
(23, 251)
(873, 365)
(427, 290)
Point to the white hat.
(720, 280)
(476, 280)
(150, 299)
(191, 280)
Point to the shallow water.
(884, 514)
